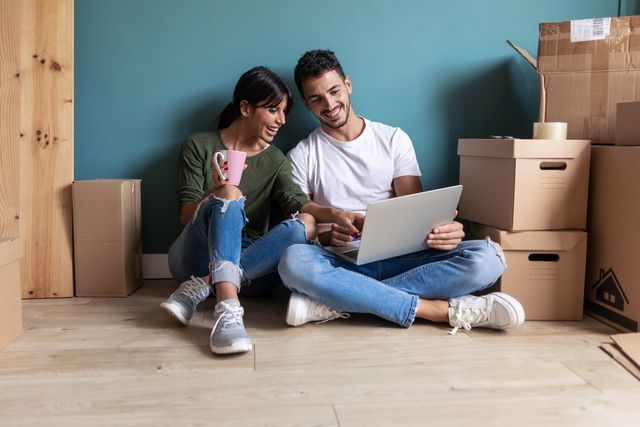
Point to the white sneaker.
(183, 302)
(496, 310)
(302, 309)
(228, 334)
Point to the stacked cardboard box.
(531, 197)
(613, 272)
(588, 72)
(585, 68)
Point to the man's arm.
(344, 225)
(408, 184)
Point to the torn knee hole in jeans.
(225, 202)
(498, 249)
(296, 217)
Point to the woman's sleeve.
(287, 193)
(190, 173)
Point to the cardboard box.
(10, 302)
(628, 123)
(585, 68)
(612, 291)
(107, 243)
(524, 184)
(545, 270)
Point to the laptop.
(399, 226)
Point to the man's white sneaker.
(302, 309)
(228, 334)
(183, 302)
(496, 310)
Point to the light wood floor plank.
(123, 361)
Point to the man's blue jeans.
(212, 242)
(390, 288)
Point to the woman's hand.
(345, 227)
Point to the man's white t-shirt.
(350, 175)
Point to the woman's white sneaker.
(302, 309)
(496, 310)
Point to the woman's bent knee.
(228, 192)
(309, 225)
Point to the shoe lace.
(231, 315)
(195, 289)
(464, 317)
(327, 313)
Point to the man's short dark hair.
(315, 63)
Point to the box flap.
(10, 250)
(555, 241)
(523, 53)
(523, 148)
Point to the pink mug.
(233, 164)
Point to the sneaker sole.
(515, 305)
(292, 309)
(238, 347)
(175, 312)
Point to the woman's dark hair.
(260, 87)
(314, 64)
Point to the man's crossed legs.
(432, 284)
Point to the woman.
(225, 242)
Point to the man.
(345, 164)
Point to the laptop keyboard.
(353, 254)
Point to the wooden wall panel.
(9, 118)
(46, 126)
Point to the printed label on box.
(611, 300)
(583, 30)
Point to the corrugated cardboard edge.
(619, 357)
(630, 345)
(515, 148)
(554, 240)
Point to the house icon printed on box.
(609, 291)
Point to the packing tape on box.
(550, 130)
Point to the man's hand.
(345, 227)
(445, 237)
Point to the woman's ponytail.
(227, 116)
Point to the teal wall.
(150, 72)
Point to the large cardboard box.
(107, 243)
(628, 123)
(612, 291)
(585, 68)
(545, 270)
(10, 302)
(524, 184)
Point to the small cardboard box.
(545, 270)
(612, 291)
(585, 67)
(524, 184)
(628, 123)
(107, 243)
(10, 302)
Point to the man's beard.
(338, 125)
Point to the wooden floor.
(117, 362)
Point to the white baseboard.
(155, 266)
